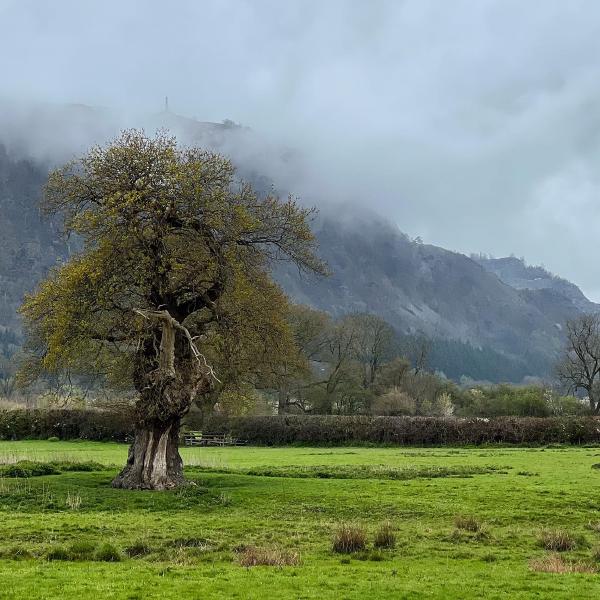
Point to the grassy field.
(289, 502)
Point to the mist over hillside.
(484, 327)
(490, 319)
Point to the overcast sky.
(474, 124)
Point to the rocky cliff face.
(516, 273)
(419, 287)
(29, 244)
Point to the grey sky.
(474, 124)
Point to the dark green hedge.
(65, 424)
(407, 431)
(320, 430)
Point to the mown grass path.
(191, 537)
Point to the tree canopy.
(171, 290)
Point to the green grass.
(70, 535)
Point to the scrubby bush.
(137, 549)
(16, 553)
(349, 538)
(29, 468)
(26, 468)
(108, 553)
(78, 467)
(58, 553)
(394, 402)
(519, 401)
(82, 550)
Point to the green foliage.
(360, 366)
(82, 550)
(26, 468)
(137, 549)
(175, 254)
(406, 431)
(66, 424)
(16, 553)
(108, 553)
(58, 553)
(310, 429)
(29, 468)
(526, 401)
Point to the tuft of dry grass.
(73, 501)
(555, 563)
(557, 540)
(594, 526)
(349, 538)
(467, 523)
(181, 556)
(251, 556)
(385, 536)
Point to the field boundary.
(96, 425)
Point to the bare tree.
(418, 351)
(579, 368)
(373, 339)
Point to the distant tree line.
(353, 365)
(358, 364)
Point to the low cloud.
(475, 125)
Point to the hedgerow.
(65, 424)
(314, 429)
(406, 431)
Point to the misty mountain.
(29, 244)
(516, 273)
(493, 319)
(420, 288)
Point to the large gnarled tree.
(171, 290)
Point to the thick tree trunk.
(154, 462)
(167, 378)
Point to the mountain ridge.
(509, 311)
